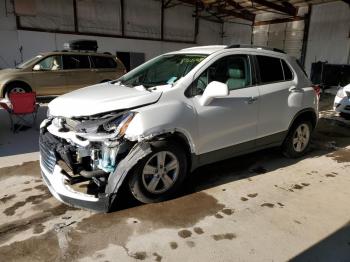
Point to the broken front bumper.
(56, 182)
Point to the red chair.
(22, 104)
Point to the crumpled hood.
(100, 98)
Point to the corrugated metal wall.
(286, 36)
(329, 34)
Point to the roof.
(210, 49)
(65, 52)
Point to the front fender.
(158, 119)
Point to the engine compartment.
(82, 161)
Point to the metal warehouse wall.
(329, 34)
(142, 19)
(286, 36)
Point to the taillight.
(317, 89)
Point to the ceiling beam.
(279, 20)
(237, 6)
(286, 8)
(242, 15)
(220, 10)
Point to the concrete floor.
(259, 207)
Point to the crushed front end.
(84, 160)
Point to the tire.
(16, 88)
(149, 185)
(346, 116)
(298, 139)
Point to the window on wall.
(270, 69)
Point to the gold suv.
(56, 73)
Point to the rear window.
(76, 61)
(270, 69)
(288, 75)
(103, 62)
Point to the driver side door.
(228, 125)
(48, 76)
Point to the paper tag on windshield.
(171, 80)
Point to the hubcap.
(301, 138)
(160, 172)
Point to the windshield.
(28, 62)
(163, 70)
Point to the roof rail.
(257, 47)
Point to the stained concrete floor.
(258, 207)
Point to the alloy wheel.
(160, 172)
(301, 138)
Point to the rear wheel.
(298, 139)
(158, 176)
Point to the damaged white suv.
(178, 111)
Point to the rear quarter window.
(288, 75)
(270, 69)
(103, 62)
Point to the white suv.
(178, 111)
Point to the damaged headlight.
(109, 128)
(120, 124)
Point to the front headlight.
(120, 124)
(341, 93)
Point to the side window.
(103, 62)
(288, 75)
(232, 70)
(76, 61)
(51, 63)
(270, 69)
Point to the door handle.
(251, 100)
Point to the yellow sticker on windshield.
(191, 60)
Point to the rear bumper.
(56, 182)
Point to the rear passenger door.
(78, 72)
(275, 83)
(106, 68)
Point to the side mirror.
(37, 67)
(215, 89)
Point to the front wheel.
(298, 139)
(160, 174)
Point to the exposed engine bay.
(88, 150)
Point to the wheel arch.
(305, 114)
(179, 138)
